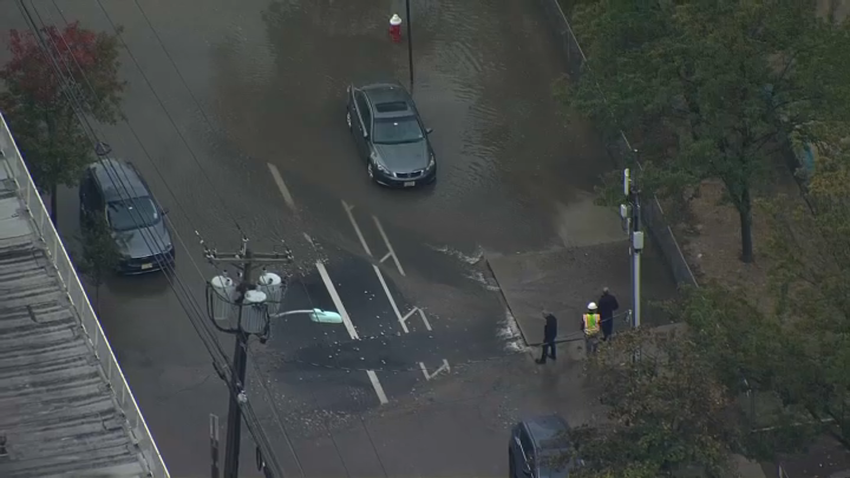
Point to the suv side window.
(363, 106)
(527, 445)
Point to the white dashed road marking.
(337, 301)
(348, 210)
(284, 191)
(352, 332)
(443, 368)
(373, 377)
(403, 320)
(389, 296)
(391, 252)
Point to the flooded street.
(236, 117)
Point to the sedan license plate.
(409, 184)
(147, 266)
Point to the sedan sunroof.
(391, 107)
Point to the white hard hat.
(591, 306)
(395, 19)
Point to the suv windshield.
(397, 130)
(132, 214)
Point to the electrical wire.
(165, 182)
(171, 120)
(141, 145)
(210, 342)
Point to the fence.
(80, 302)
(620, 149)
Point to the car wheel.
(348, 118)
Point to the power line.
(210, 342)
(171, 120)
(135, 135)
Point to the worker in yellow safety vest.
(590, 326)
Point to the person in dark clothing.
(550, 333)
(607, 304)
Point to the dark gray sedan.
(390, 135)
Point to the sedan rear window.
(397, 130)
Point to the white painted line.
(377, 386)
(337, 301)
(348, 210)
(422, 315)
(389, 246)
(309, 239)
(403, 320)
(443, 368)
(278, 179)
(425, 320)
(390, 297)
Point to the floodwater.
(219, 90)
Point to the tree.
(811, 249)
(725, 82)
(52, 79)
(682, 404)
(665, 410)
(100, 254)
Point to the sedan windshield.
(397, 130)
(132, 214)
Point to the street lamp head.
(325, 317)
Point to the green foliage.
(45, 72)
(727, 81)
(666, 410)
(812, 278)
(100, 254)
(751, 354)
(716, 385)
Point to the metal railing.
(620, 149)
(77, 295)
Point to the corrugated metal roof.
(58, 415)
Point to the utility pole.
(631, 213)
(247, 303)
(409, 44)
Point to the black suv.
(115, 190)
(390, 136)
(539, 448)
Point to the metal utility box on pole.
(630, 212)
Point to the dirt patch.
(712, 242)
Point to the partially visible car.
(390, 135)
(540, 448)
(115, 190)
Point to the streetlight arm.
(316, 315)
(293, 312)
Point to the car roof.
(119, 180)
(548, 431)
(397, 100)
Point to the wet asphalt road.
(218, 91)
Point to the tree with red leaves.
(55, 79)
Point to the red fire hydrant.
(395, 28)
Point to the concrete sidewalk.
(564, 280)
